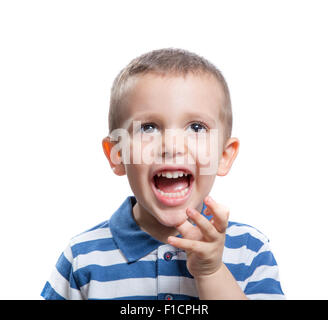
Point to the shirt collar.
(130, 239)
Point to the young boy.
(170, 126)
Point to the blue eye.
(198, 127)
(148, 128)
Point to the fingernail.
(170, 239)
(209, 199)
(190, 212)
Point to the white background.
(57, 63)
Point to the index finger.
(219, 212)
(208, 231)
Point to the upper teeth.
(172, 174)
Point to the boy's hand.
(204, 242)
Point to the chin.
(172, 218)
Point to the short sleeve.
(263, 282)
(62, 284)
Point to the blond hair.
(166, 62)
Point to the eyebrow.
(144, 116)
(201, 116)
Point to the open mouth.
(172, 184)
(172, 187)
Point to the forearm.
(220, 285)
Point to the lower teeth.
(174, 194)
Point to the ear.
(115, 159)
(229, 154)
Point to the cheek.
(205, 152)
(136, 175)
(143, 150)
(203, 184)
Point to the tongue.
(171, 185)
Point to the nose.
(173, 144)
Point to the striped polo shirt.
(117, 260)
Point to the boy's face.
(172, 162)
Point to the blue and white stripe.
(117, 260)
